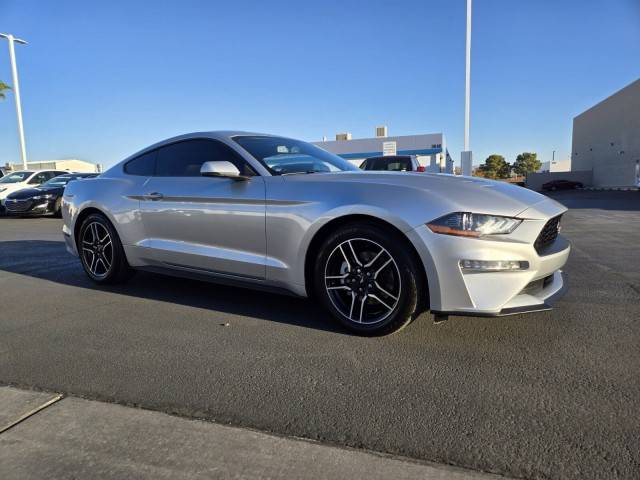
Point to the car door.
(208, 224)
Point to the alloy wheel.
(362, 280)
(97, 249)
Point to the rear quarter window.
(144, 165)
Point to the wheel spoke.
(375, 297)
(336, 277)
(339, 287)
(355, 257)
(375, 275)
(353, 302)
(93, 265)
(94, 232)
(103, 265)
(373, 260)
(345, 258)
(362, 307)
(384, 291)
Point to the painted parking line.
(18, 405)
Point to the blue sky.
(100, 80)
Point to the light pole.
(466, 158)
(16, 93)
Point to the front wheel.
(101, 251)
(368, 279)
(57, 209)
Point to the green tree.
(3, 88)
(527, 163)
(495, 166)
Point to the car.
(14, 181)
(394, 163)
(562, 185)
(44, 199)
(376, 248)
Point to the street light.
(466, 159)
(16, 92)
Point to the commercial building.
(555, 166)
(71, 164)
(430, 148)
(606, 140)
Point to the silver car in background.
(375, 248)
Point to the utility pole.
(466, 158)
(16, 93)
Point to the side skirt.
(218, 278)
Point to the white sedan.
(15, 181)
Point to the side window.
(38, 179)
(378, 164)
(184, 159)
(363, 165)
(144, 165)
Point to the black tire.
(103, 259)
(57, 211)
(384, 307)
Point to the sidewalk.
(47, 436)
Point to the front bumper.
(453, 291)
(28, 207)
(554, 286)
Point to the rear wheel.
(368, 280)
(101, 251)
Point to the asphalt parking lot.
(548, 395)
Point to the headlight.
(43, 197)
(466, 224)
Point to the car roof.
(390, 157)
(216, 134)
(225, 135)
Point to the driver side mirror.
(221, 169)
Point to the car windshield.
(285, 156)
(16, 177)
(59, 181)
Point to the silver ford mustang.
(375, 248)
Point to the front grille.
(548, 234)
(18, 205)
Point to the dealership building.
(70, 164)
(606, 140)
(430, 149)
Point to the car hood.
(11, 187)
(459, 193)
(32, 192)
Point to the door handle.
(154, 196)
